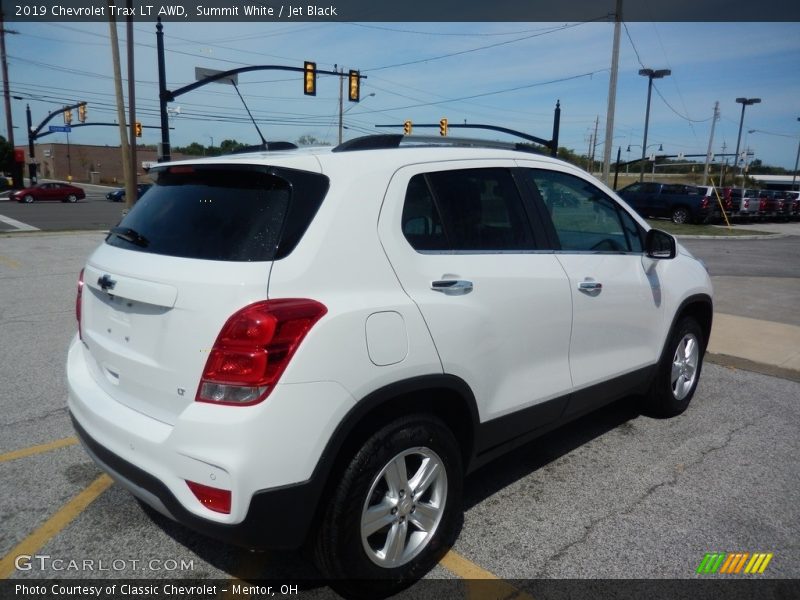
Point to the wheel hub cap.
(684, 366)
(404, 507)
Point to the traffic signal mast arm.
(170, 96)
(34, 133)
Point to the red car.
(49, 191)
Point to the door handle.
(590, 287)
(452, 287)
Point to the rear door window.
(471, 210)
(222, 212)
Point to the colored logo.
(734, 563)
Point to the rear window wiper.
(130, 235)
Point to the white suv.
(315, 346)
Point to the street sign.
(201, 73)
(60, 128)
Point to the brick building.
(89, 164)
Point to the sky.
(505, 74)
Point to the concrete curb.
(770, 236)
(734, 362)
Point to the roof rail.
(396, 140)
(269, 147)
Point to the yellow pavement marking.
(481, 584)
(50, 528)
(9, 262)
(70, 441)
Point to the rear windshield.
(222, 212)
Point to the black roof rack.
(392, 140)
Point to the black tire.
(72, 198)
(678, 372)
(28, 198)
(352, 563)
(680, 215)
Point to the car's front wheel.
(72, 198)
(28, 198)
(394, 511)
(680, 215)
(678, 372)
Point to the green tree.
(308, 140)
(228, 146)
(193, 149)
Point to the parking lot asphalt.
(613, 495)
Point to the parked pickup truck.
(680, 202)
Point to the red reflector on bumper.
(212, 498)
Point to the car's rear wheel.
(680, 215)
(394, 511)
(72, 198)
(27, 199)
(678, 372)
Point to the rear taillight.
(253, 349)
(762, 204)
(704, 202)
(78, 303)
(212, 498)
(746, 203)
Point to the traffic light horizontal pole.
(48, 118)
(41, 135)
(171, 95)
(525, 136)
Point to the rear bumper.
(277, 518)
(267, 455)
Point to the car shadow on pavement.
(256, 566)
(537, 454)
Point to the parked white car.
(315, 346)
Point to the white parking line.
(19, 225)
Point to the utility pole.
(722, 165)
(130, 188)
(17, 168)
(612, 95)
(594, 143)
(711, 141)
(165, 154)
(589, 164)
(341, 102)
(31, 151)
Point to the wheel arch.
(700, 307)
(445, 397)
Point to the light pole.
(744, 102)
(796, 160)
(650, 74)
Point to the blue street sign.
(60, 128)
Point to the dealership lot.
(614, 495)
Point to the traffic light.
(354, 86)
(82, 113)
(442, 126)
(137, 127)
(68, 116)
(407, 127)
(310, 78)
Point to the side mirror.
(659, 244)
